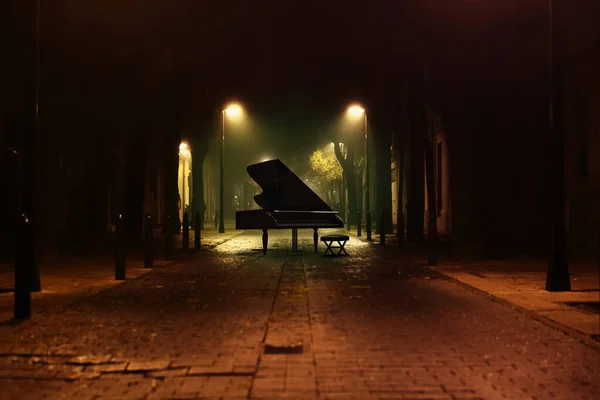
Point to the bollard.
(348, 219)
(120, 250)
(23, 269)
(368, 227)
(358, 224)
(432, 238)
(148, 243)
(168, 238)
(382, 229)
(185, 235)
(197, 231)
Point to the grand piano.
(287, 203)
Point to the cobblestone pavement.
(89, 271)
(234, 324)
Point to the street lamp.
(232, 110)
(356, 111)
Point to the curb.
(568, 331)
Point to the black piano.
(287, 203)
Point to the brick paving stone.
(102, 368)
(372, 326)
(168, 373)
(143, 366)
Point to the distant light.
(233, 110)
(355, 111)
(184, 149)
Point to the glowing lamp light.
(233, 110)
(184, 149)
(355, 111)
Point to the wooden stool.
(341, 241)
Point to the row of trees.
(406, 127)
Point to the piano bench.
(341, 241)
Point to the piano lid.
(282, 189)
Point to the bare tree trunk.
(399, 194)
(418, 133)
(200, 148)
(347, 164)
(383, 179)
(432, 234)
(429, 142)
(343, 198)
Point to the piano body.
(286, 203)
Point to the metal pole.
(120, 250)
(185, 235)
(221, 220)
(348, 219)
(557, 276)
(148, 239)
(598, 252)
(367, 181)
(382, 229)
(22, 300)
(168, 223)
(197, 231)
(26, 273)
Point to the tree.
(432, 233)
(352, 171)
(327, 170)
(326, 167)
(417, 112)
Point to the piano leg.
(265, 240)
(316, 238)
(294, 239)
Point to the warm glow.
(184, 175)
(184, 149)
(233, 110)
(355, 111)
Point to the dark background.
(152, 71)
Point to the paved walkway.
(234, 324)
(85, 274)
(522, 282)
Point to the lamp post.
(557, 274)
(233, 110)
(356, 111)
